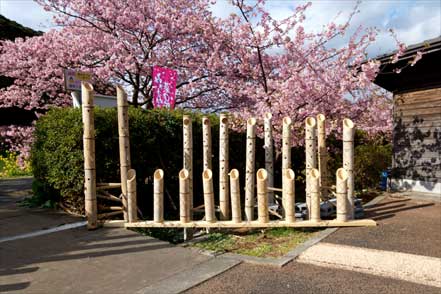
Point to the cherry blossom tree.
(248, 63)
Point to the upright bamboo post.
(184, 196)
(288, 195)
(132, 207)
(269, 154)
(322, 155)
(223, 168)
(262, 196)
(342, 192)
(188, 158)
(89, 155)
(207, 179)
(311, 161)
(158, 196)
(348, 161)
(206, 143)
(124, 144)
(286, 147)
(235, 196)
(250, 169)
(314, 178)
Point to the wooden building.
(417, 117)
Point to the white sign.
(73, 79)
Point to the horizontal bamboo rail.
(107, 186)
(252, 224)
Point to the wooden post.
(188, 158)
(158, 196)
(206, 143)
(288, 195)
(132, 206)
(223, 168)
(124, 144)
(250, 169)
(89, 156)
(269, 154)
(348, 162)
(311, 161)
(342, 192)
(322, 155)
(262, 196)
(184, 195)
(207, 179)
(235, 196)
(286, 147)
(314, 178)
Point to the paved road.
(408, 226)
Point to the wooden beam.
(253, 224)
(107, 186)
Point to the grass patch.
(272, 242)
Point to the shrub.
(155, 141)
(370, 161)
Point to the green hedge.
(156, 142)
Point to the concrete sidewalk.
(107, 260)
(407, 228)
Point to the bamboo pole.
(188, 158)
(322, 155)
(311, 161)
(132, 207)
(158, 196)
(269, 154)
(206, 143)
(342, 191)
(124, 144)
(250, 169)
(89, 155)
(288, 195)
(223, 168)
(235, 196)
(184, 195)
(286, 147)
(207, 179)
(314, 178)
(262, 196)
(348, 162)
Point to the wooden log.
(112, 208)
(250, 169)
(184, 195)
(206, 143)
(109, 197)
(288, 195)
(235, 196)
(124, 144)
(322, 155)
(262, 196)
(158, 196)
(188, 158)
(89, 155)
(310, 151)
(314, 179)
(223, 168)
(275, 189)
(348, 162)
(207, 180)
(253, 224)
(132, 207)
(269, 154)
(342, 192)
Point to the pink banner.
(164, 87)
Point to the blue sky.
(414, 21)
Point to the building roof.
(425, 74)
